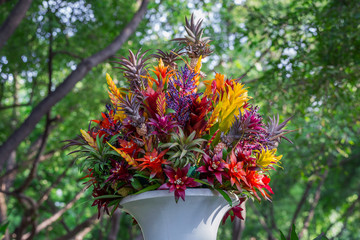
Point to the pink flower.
(178, 181)
(236, 212)
(213, 167)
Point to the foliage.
(297, 58)
(126, 155)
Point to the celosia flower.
(153, 161)
(178, 181)
(213, 167)
(236, 171)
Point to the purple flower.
(181, 93)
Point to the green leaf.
(116, 204)
(321, 237)
(136, 184)
(202, 182)
(225, 195)
(170, 110)
(3, 227)
(148, 188)
(293, 233)
(282, 235)
(107, 196)
(183, 153)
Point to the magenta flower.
(234, 212)
(213, 167)
(163, 125)
(178, 181)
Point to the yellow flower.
(266, 158)
(232, 100)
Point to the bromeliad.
(170, 129)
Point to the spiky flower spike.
(131, 108)
(196, 44)
(134, 69)
(276, 131)
(169, 58)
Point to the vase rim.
(205, 192)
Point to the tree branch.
(56, 216)
(262, 221)
(313, 204)
(67, 53)
(45, 196)
(115, 225)
(13, 20)
(82, 228)
(15, 105)
(300, 204)
(64, 88)
(262, 55)
(346, 213)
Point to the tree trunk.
(64, 88)
(13, 20)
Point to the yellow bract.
(88, 139)
(112, 87)
(231, 102)
(197, 71)
(131, 161)
(267, 157)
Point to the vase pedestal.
(161, 218)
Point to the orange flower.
(153, 161)
(162, 74)
(236, 171)
(259, 182)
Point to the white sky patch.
(291, 52)
(59, 192)
(239, 2)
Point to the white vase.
(161, 218)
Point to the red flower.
(90, 175)
(153, 161)
(102, 202)
(260, 182)
(236, 171)
(234, 212)
(119, 172)
(213, 167)
(178, 181)
(130, 148)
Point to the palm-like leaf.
(134, 69)
(131, 107)
(169, 58)
(182, 148)
(196, 44)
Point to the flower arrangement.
(171, 130)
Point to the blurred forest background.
(298, 58)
